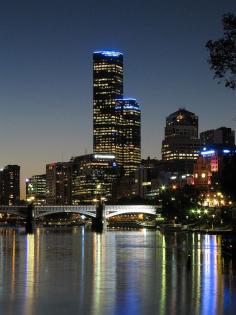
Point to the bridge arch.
(112, 211)
(19, 211)
(88, 211)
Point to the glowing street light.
(213, 216)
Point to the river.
(75, 271)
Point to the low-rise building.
(93, 176)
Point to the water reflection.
(129, 272)
(29, 273)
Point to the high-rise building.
(128, 142)
(181, 141)
(107, 87)
(58, 183)
(93, 176)
(36, 189)
(10, 185)
(116, 121)
(223, 135)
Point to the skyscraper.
(107, 87)
(10, 185)
(116, 121)
(181, 137)
(36, 189)
(128, 142)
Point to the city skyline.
(47, 85)
(118, 157)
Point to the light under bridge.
(86, 210)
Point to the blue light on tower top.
(209, 152)
(126, 99)
(127, 103)
(108, 53)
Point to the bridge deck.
(87, 210)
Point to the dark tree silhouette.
(223, 53)
(228, 176)
(179, 202)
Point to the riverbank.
(196, 228)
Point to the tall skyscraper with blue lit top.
(107, 87)
(116, 121)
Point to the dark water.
(129, 272)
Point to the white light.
(146, 183)
(101, 156)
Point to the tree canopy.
(222, 52)
(228, 176)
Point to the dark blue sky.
(46, 71)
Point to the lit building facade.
(58, 183)
(215, 156)
(210, 165)
(36, 189)
(10, 185)
(93, 176)
(128, 142)
(202, 173)
(116, 120)
(181, 137)
(107, 87)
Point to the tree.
(228, 176)
(223, 53)
(178, 202)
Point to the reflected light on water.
(163, 278)
(56, 272)
(29, 274)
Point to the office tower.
(181, 141)
(128, 141)
(58, 183)
(93, 176)
(223, 135)
(10, 185)
(36, 189)
(107, 87)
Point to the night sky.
(46, 71)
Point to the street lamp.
(175, 218)
(187, 220)
(212, 226)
